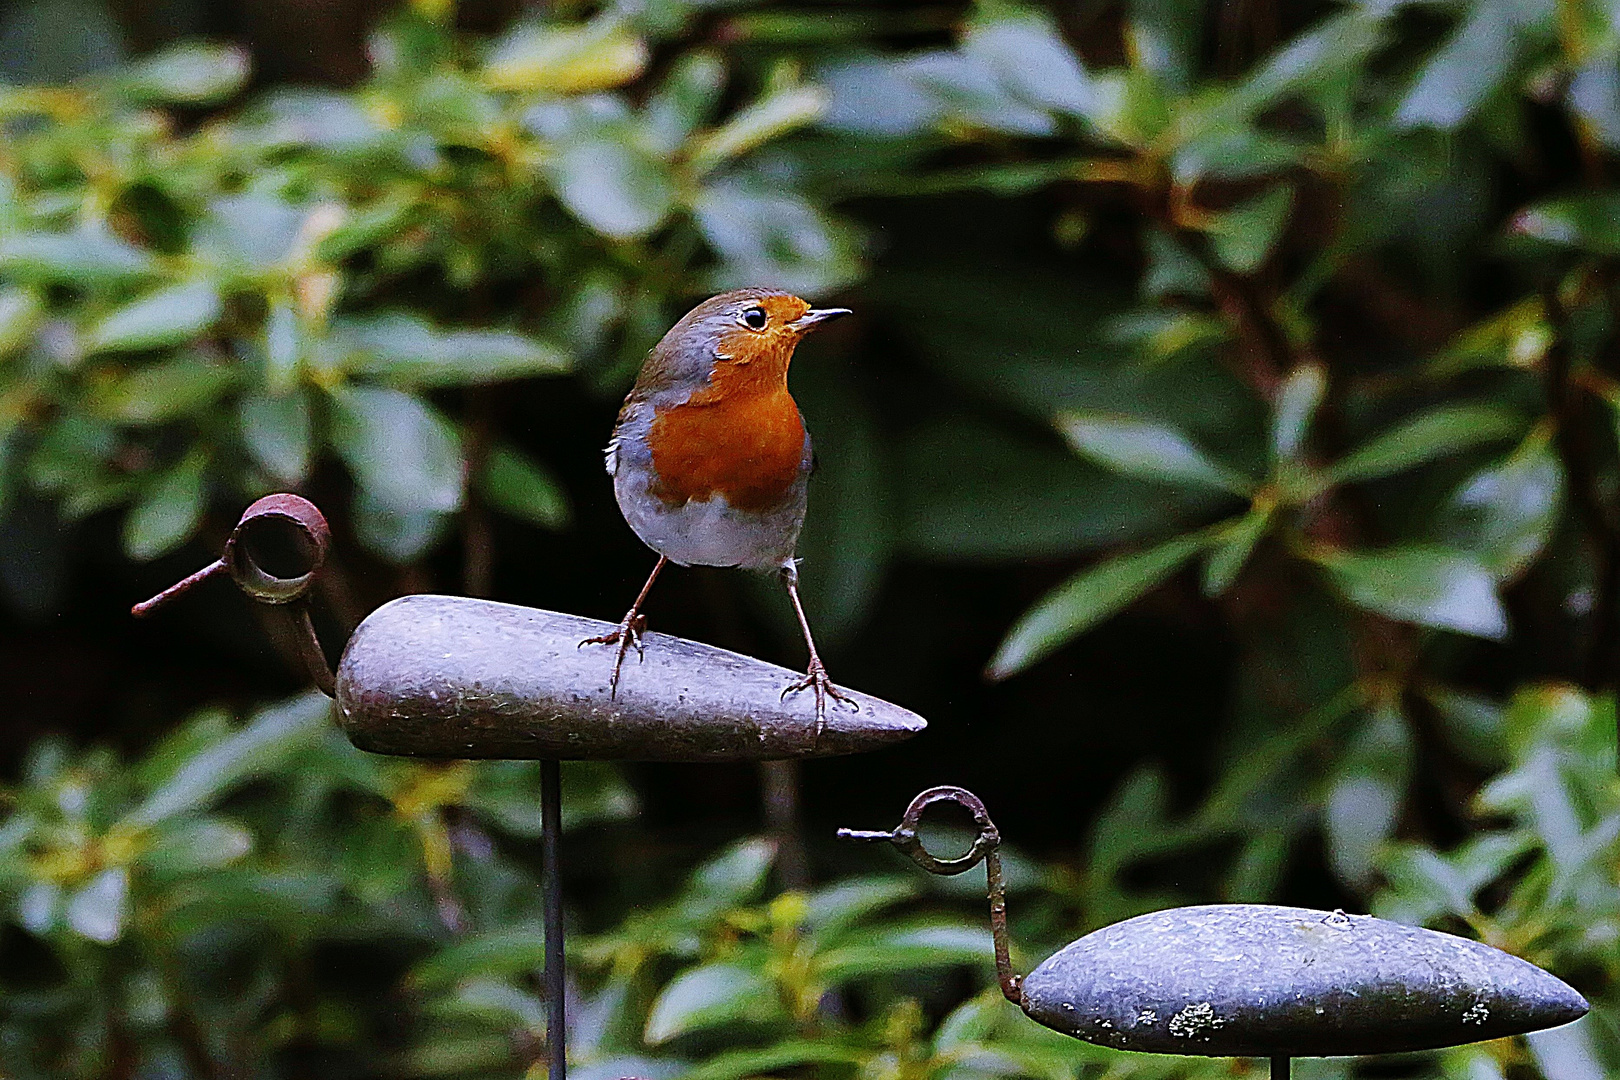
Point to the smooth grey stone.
(1253, 980)
(455, 677)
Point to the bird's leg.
(815, 676)
(629, 630)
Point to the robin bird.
(710, 459)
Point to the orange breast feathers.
(741, 436)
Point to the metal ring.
(906, 839)
(315, 537)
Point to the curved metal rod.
(313, 536)
(985, 846)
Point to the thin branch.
(477, 535)
(1571, 439)
(1267, 355)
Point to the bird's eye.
(755, 318)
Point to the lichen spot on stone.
(1195, 1020)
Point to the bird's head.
(746, 336)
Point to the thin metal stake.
(550, 831)
(1279, 1067)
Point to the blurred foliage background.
(1223, 457)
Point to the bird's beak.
(816, 316)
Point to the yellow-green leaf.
(566, 60)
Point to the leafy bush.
(208, 312)
(264, 899)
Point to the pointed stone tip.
(454, 677)
(1556, 1003)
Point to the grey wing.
(628, 447)
(612, 451)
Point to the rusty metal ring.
(905, 837)
(315, 537)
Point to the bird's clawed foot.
(626, 634)
(816, 679)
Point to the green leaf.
(167, 512)
(454, 1054)
(1365, 794)
(707, 996)
(191, 73)
(512, 949)
(196, 844)
(792, 1054)
(517, 485)
(407, 350)
(1568, 1052)
(1297, 400)
(1235, 151)
(878, 97)
(400, 450)
(1166, 38)
(1130, 825)
(1588, 222)
(684, 100)
(399, 535)
(1425, 886)
(248, 233)
(65, 447)
(504, 796)
(98, 909)
(167, 317)
(276, 429)
(1087, 599)
(1025, 51)
(835, 908)
(1594, 94)
(1233, 545)
(1129, 108)
(1244, 235)
(733, 877)
(1468, 68)
(283, 346)
(21, 311)
(262, 746)
(1421, 886)
(367, 226)
(1146, 449)
(1472, 723)
(598, 55)
(287, 117)
(967, 90)
(175, 748)
(772, 235)
(909, 949)
(39, 907)
(1171, 270)
(612, 185)
(1506, 513)
(775, 114)
(1437, 433)
(1429, 586)
(1337, 45)
(88, 258)
(162, 392)
(1559, 717)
